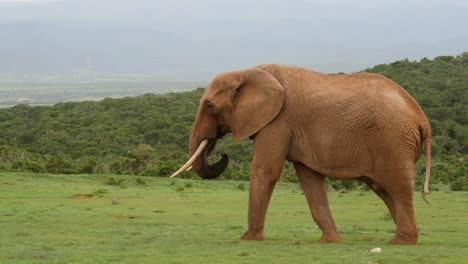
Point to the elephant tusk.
(187, 166)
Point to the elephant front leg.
(262, 183)
(315, 191)
(267, 164)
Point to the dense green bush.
(460, 184)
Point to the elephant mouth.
(222, 131)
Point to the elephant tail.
(427, 137)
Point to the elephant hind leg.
(315, 191)
(407, 231)
(398, 196)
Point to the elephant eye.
(209, 107)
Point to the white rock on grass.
(376, 250)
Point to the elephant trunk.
(201, 165)
(205, 132)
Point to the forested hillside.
(148, 135)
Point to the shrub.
(140, 181)
(60, 163)
(113, 181)
(28, 165)
(180, 189)
(101, 191)
(167, 168)
(460, 184)
(241, 186)
(339, 184)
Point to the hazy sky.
(193, 40)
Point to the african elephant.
(359, 126)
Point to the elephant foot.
(331, 238)
(401, 240)
(250, 235)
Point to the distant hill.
(148, 135)
(49, 92)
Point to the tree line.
(148, 135)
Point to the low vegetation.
(48, 218)
(148, 135)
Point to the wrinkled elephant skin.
(360, 126)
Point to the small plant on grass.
(101, 191)
(296, 243)
(386, 216)
(188, 185)
(140, 181)
(363, 188)
(180, 189)
(358, 227)
(113, 181)
(241, 186)
(173, 182)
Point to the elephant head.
(241, 102)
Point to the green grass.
(159, 220)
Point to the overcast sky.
(185, 40)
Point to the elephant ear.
(256, 103)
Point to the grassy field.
(159, 220)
